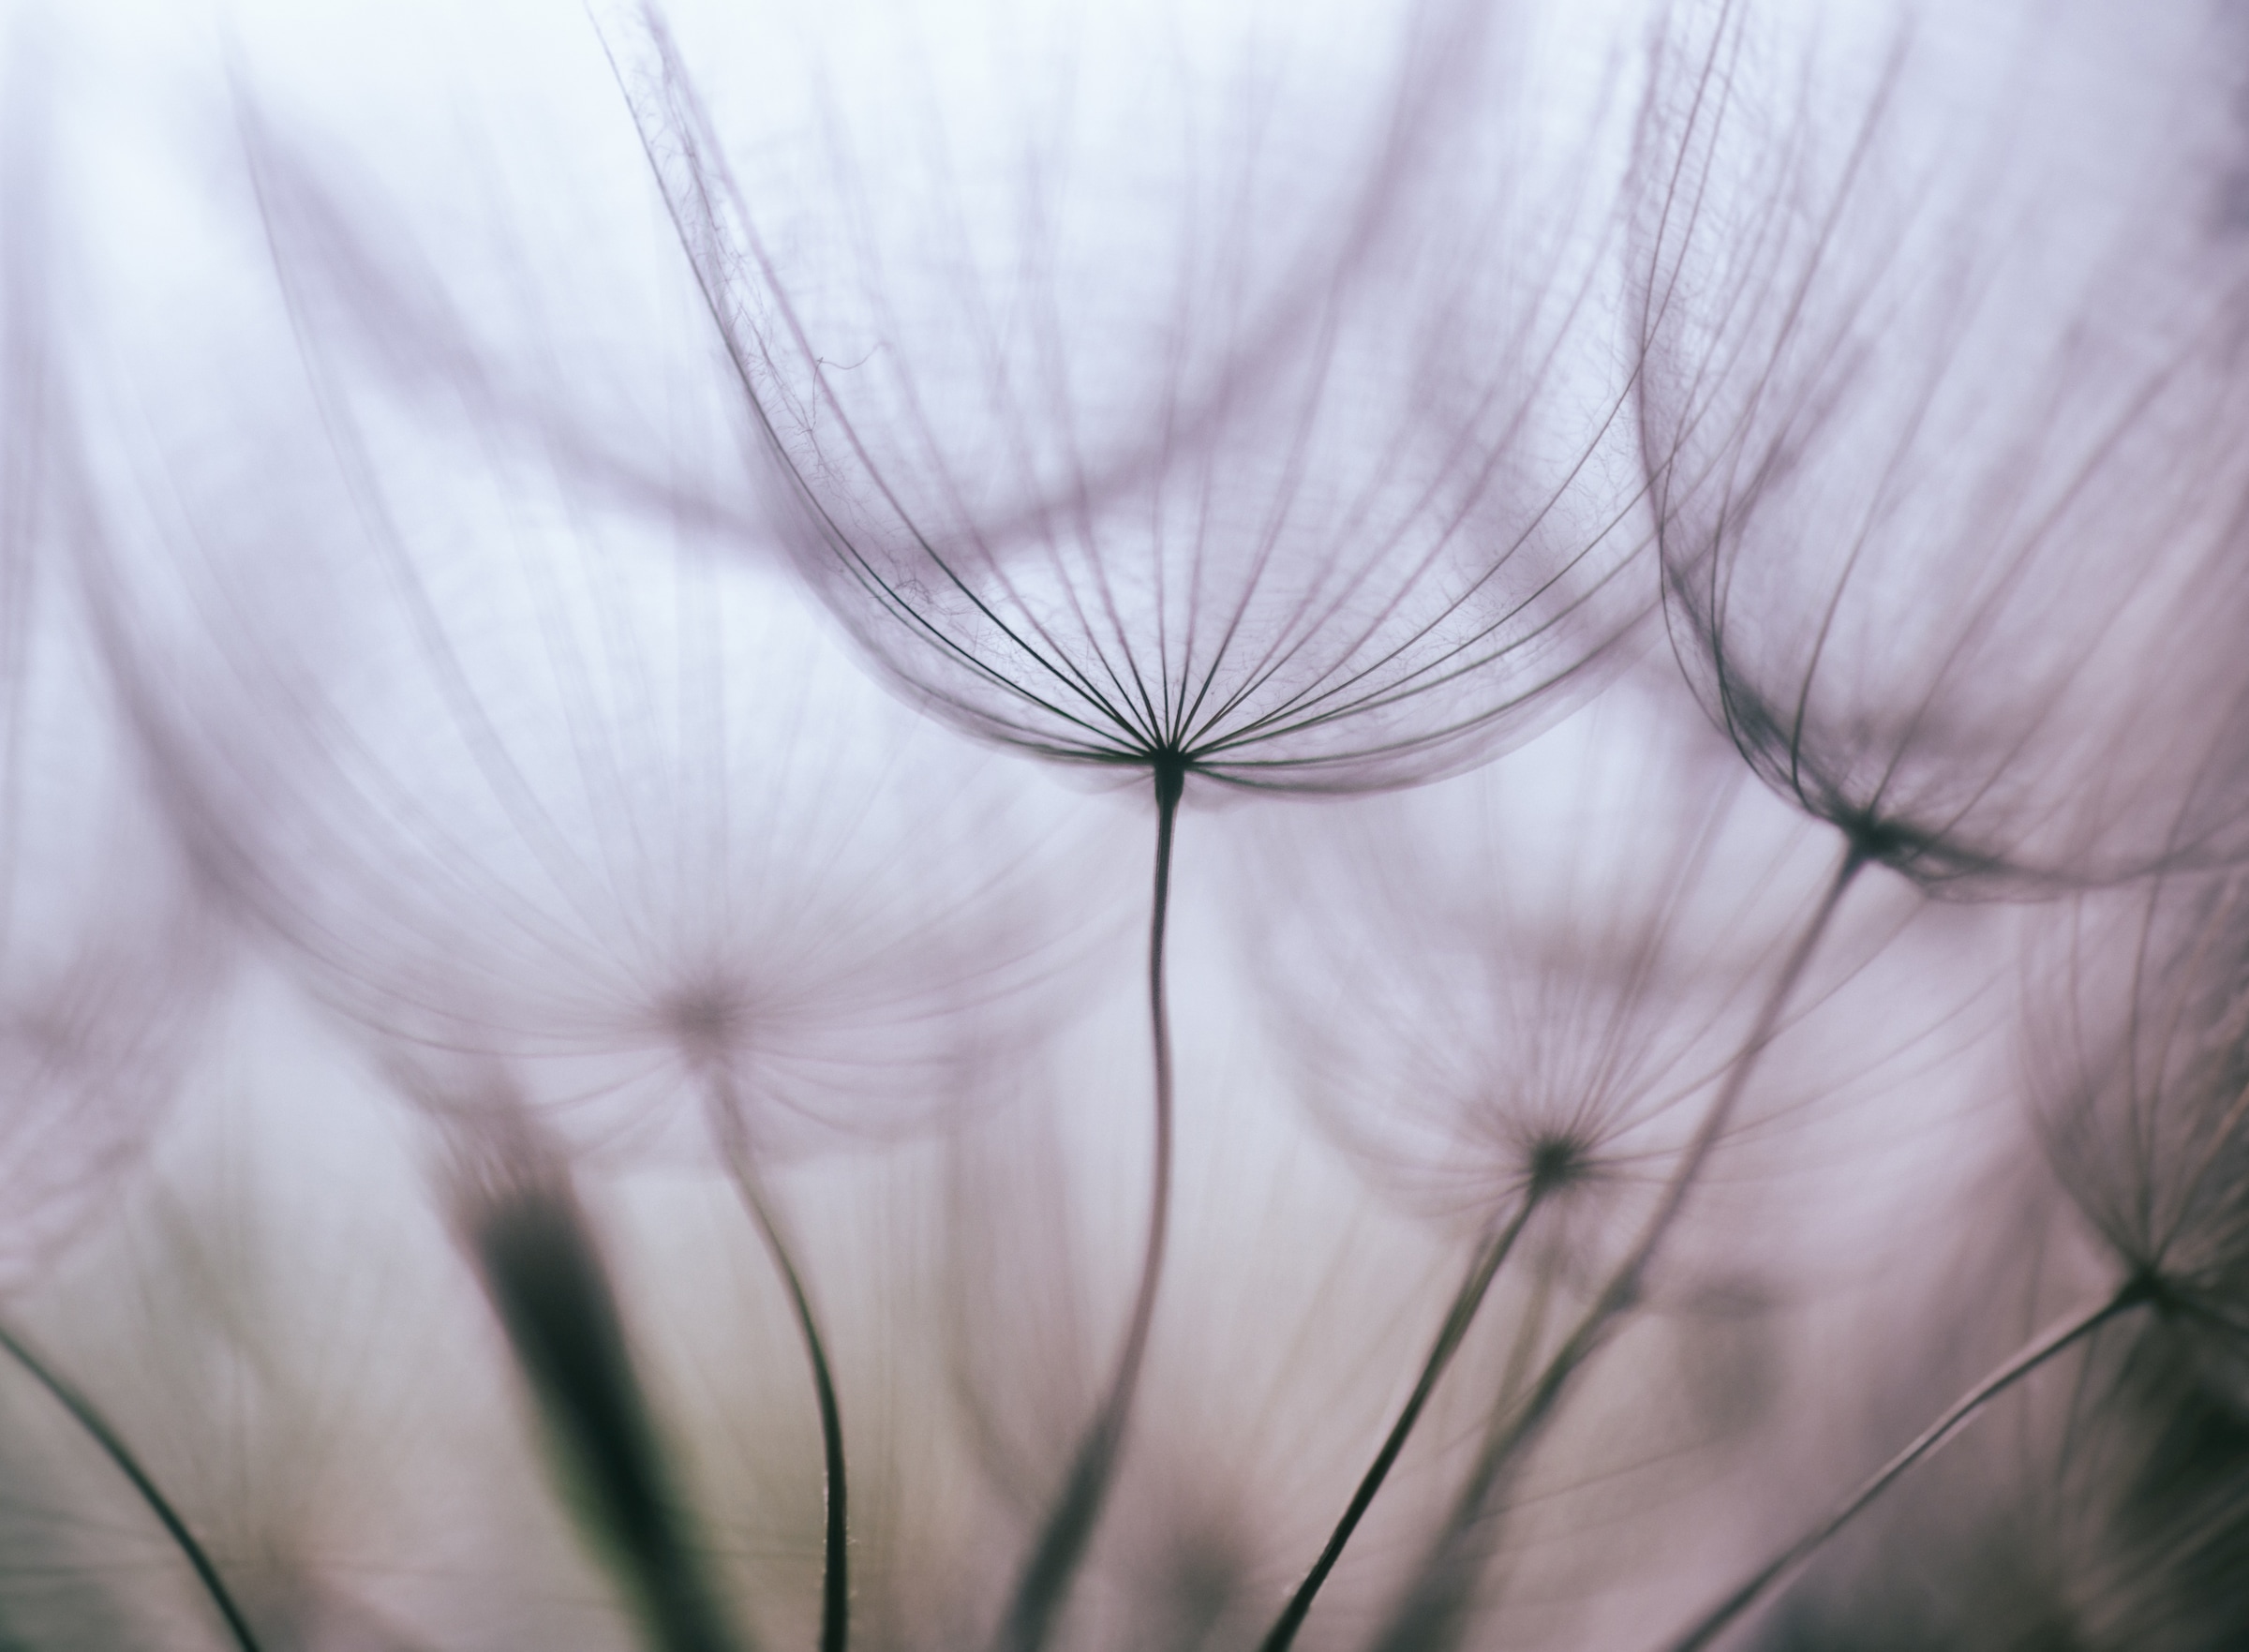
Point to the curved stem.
(2063, 1335)
(835, 1589)
(1070, 1523)
(1466, 1301)
(1431, 1616)
(84, 1413)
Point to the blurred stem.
(86, 1415)
(835, 1593)
(1466, 1301)
(1471, 1506)
(553, 1296)
(1528, 1336)
(1070, 1523)
(2065, 1333)
(1435, 1609)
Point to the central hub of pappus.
(709, 1020)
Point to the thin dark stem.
(835, 1589)
(1070, 1523)
(1431, 1616)
(84, 1413)
(1465, 1303)
(2056, 1338)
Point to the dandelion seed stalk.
(1070, 1522)
(2057, 1339)
(1528, 1335)
(85, 1413)
(1431, 1612)
(554, 1298)
(1490, 1257)
(835, 1589)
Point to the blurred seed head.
(2140, 1060)
(519, 775)
(1531, 981)
(1943, 359)
(109, 952)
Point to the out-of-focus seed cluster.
(1395, 826)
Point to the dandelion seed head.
(1899, 423)
(2138, 1054)
(1223, 531)
(1524, 979)
(510, 769)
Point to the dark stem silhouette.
(1435, 1609)
(1070, 1522)
(2048, 1345)
(835, 1589)
(85, 1413)
(552, 1294)
(1465, 1303)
